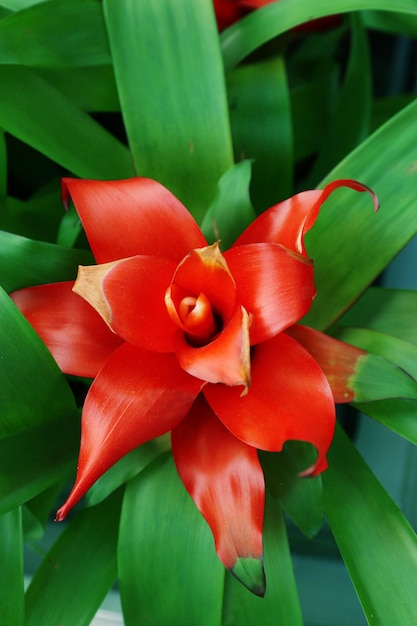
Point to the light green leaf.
(260, 116)
(163, 537)
(171, 84)
(280, 606)
(231, 211)
(399, 415)
(378, 545)
(376, 378)
(400, 352)
(57, 128)
(11, 571)
(391, 311)
(349, 243)
(78, 571)
(26, 262)
(37, 36)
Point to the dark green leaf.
(11, 570)
(58, 33)
(349, 243)
(231, 210)
(56, 127)
(164, 538)
(260, 116)
(171, 85)
(377, 544)
(78, 571)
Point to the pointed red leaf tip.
(338, 360)
(225, 479)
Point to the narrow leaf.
(78, 571)
(11, 571)
(380, 551)
(57, 128)
(231, 210)
(162, 533)
(174, 99)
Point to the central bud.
(202, 295)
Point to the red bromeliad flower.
(184, 337)
(230, 11)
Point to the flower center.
(196, 317)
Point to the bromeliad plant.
(208, 349)
(223, 297)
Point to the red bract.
(184, 337)
(230, 11)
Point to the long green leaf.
(11, 570)
(163, 538)
(25, 262)
(350, 244)
(36, 36)
(377, 544)
(56, 127)
(280, 606)
(78, 571)
(266, 23)
(399, 415)
(171, 85)
(260, 115)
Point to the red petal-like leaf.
(274, 284)
(224, 477)
(205, 271)
(137, 396)
(129, 295)
(289, 399)
(226, 359)
(124, 218)
(338, 360)
(287, 222)
(78, 338)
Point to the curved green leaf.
(377, 544)
(349, 243)
(78, 571)
(278, 17)
(164, 538)
(25, 262)
(399, 415)
(171, 84)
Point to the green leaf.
(231, 210)
(278, 17)
(171, 84)
(78, 571)
(36, 36)
(25, 262)
(350, 121)
(56, 127)
(400, 352)
(399, 415)
(349, 243)
(300, 497)
(391, 22)
(377, 378)
(391, 311)
(280, 606)
(163, 537)
(260, 116)
(378, 545)
(33, 459)
(11, 571)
